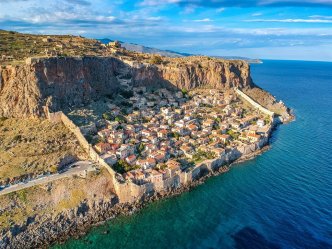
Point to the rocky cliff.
(74, 81)
(56, 82)
(192, 72)
(70, 207)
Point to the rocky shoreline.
(129, 209)
(77, 222)
(42, 232)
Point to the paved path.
(73, 169)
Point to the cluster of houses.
(165, 128)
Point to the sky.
(265, 29)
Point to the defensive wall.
(131, 192)
(254, 103)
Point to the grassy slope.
(34, 146)
(21, 46)
(51, 199)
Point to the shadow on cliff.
(112, 86)
(65, 83)
(150, 77)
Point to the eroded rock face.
(72, 82)
(196, 72)
(56, 82)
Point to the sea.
(280, 199)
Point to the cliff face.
(72, 82)
(56, 82)
(194, 72)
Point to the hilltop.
(15, 47)
(66, 71)
(144, 49)
(67, 98)
(169, 53)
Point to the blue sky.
(270, 29)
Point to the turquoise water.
(281, 199)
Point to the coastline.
(129, 209)
(64, 226)
(73, 224)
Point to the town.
(163, 132)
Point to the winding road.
(76, 168)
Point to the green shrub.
(127, 94)
(156, 59)
(140, 148)
(184, 91)
(201, 155)
(22, 195)
(122, 166)
(121, 119)
(175, 135)
(108, 116)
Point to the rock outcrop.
(70, 82)
(56, 82)
(40, 229)
(192, 72)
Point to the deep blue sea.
(281, 199)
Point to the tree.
(175, 135)
(127, 94)
(140, 148)
(120, 119)
(108, 116)
(54, 169)
(184, 91)
(233, 134)
(145, 120)
(122, 166)
(201, 155)
(162, 166)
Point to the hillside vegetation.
(16, 46)
(35, 146)
(45, 201)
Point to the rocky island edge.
(40, 87)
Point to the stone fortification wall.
(94, 156)
(126, 192)
(254, 103)
(129, 192)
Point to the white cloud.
(239, 3)
(220, 10)
(291, 20)
(154, 18)
(295, 2)
(161, 2)
(320, 17)
(203, 20)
